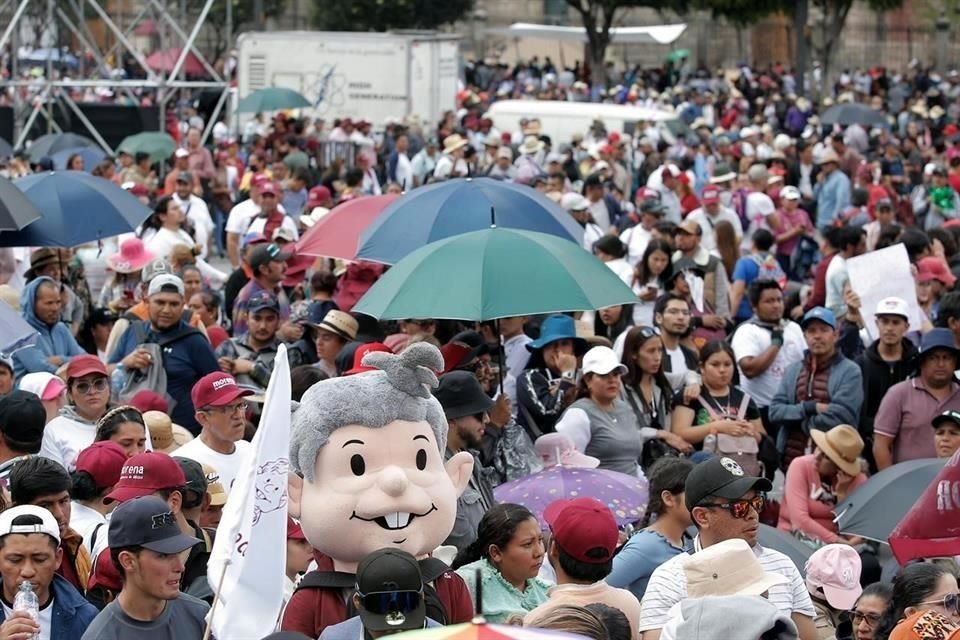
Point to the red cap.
(258, 180)
(103, 461)
(363, 350)
(85, 365)
(294, 532)
(147, 400)
(104, 573)
(950, 130)
(139, 189)
(645, 193)
(216, 390)
(613, 137)
(584, 528)
(317, 196)
(268, 187)
(146, 473)
(711, 195)
(933, 268)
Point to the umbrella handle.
(500, 353)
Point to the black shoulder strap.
(327, 580)
(93, 538)
(179, 334)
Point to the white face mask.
(726, 198)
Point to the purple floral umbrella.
(625, 495)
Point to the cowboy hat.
(842, 445)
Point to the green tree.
(243, 15)
(383, 15)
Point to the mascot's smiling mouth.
(395, 520)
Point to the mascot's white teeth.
(396, 520)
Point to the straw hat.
(339, 323)
(828, 155)
(842, 445)
(531, 145)
(164, 435)
(218, 496)
(453, 142)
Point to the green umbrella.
(494, 273)
(677, 55)
(272, 99)
(158, 144)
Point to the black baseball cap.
(947, 416)
(22, 419)
(266, 253)
(147, 522)
(390, 587)
(193, 472)
(185, 177)
(723, 478)
(460, 395)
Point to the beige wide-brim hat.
(531, 145)
(453, 142)
(829, 155)
(843, 445)
(340, 323)
(725, 569)
(164, 434)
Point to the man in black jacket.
(889, 360)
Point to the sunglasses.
(856, 617)
(950, 602)
(391, 604)
(100, 384)
(739, 509)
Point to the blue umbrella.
(49, 144)
(14, 330)
(91, 157)
(459, 206)
(75, 208)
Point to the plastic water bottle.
(27, 601)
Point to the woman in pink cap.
(121, 291)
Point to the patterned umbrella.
(625, 495)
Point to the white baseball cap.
(790, 193)
(602, 360)
(165, 283)
(574, 202)
(892, 306)
(48, 524)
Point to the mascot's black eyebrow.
(352, 442)
(421, 437)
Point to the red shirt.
(310, 611)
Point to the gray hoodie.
(726, 617)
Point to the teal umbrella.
(158, 144)
(494, 273)
(677, 55)
(272, 99)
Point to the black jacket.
(878, 376)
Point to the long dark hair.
(636, 338)
(642, 270)
(666, 474)
(913, 585)
(611, 332)
(154, 222)
(110, 422)
(496, 528)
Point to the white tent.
(664, 34)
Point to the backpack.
(744, 450)
(430, 568)
(770, 269)
(154, 377)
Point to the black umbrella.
(788, 545)
(873, 510)
(52, 142)
(852, 113)
(16, 211)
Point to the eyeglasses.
(229, 409)
(391, 604)
(83, 388)
(856, 617)
(950, 602)
(739, 509)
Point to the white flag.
(250, 538)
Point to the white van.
(561, 120)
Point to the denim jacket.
(72, 614)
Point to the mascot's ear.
(294, 494)
(460, 468)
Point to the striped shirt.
(668, 586)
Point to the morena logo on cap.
(132, 472)
(224, 382)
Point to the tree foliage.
(384, 15)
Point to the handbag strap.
(744, 403)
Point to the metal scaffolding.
(66, 18)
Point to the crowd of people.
(744, 383)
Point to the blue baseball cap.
(820, 314)
(939, 338)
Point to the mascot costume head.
(369, 448)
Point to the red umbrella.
(931, 529)
(163, 62)
(337, 234)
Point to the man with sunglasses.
(725, 503)
(222, 414)
(389, 598)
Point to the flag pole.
(216, 599)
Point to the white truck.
(369, 76)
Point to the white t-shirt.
(85, 520)
(623, 270)
(668, 586)
(164, 240)
(227, 466)
(446, 168)
(750, 341)
(600, 213)
(708, 223)
(759, 206)
(45, 621)
(636, 238)
(241, 215)
(678, 366)
(835, 280)
(64, 439)
(199, 216)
